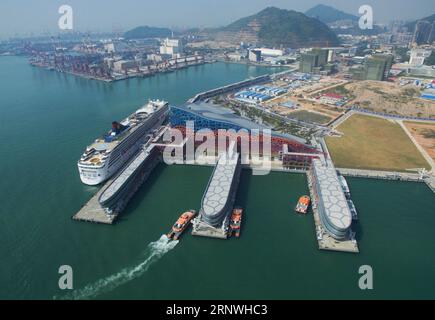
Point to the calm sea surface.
(47, 119)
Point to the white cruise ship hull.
(93, 176)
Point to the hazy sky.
(23, 17)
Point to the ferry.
(109, 153)
(236, 222)
(353, 210)
(181, 225)
(344, 186)
(303, 204)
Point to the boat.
(353, 210)
(344, 186)
(236, 222)
(303, 204)
(109, 153)
(122, 187)
(181, 225)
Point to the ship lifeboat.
(236, 222)
(303, 204)
(181, 225)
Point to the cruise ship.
(108, 154)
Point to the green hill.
(328, 14)
(278, 27)
(147, 32)
(411, 25)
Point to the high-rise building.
(322, 56)
(309, 61)
(423, 32)
(378, 67)
(314, 60)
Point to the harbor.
(39, 226)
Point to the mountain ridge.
(328, 14)
(284, 28)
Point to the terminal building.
(334, 211)
(214, 117)
(218, 200)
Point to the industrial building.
(124, 65)
(254, 55)
(266, 52)
(252, 96)
(171, 47)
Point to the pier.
(332, 215)
(231, 87)
(390, 175)
(93, 212)
(324, 239)
(218, 200)
(113, 197)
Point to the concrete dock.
(325, 241)
(388, 175)
(93, 212)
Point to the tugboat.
(236, 222)
(181, 225)
(303, 204)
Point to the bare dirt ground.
(302, 104)
(424, 134)
(388, 97)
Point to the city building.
(323, 55)
(308, 62)
(424, 33)
(376, 67)
(314, 61)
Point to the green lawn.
(374, 143)
(304, 115)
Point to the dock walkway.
(93, 212)
(389, 175)
(325, 241)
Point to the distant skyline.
(38, 17)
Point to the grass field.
(304, 115)
(424, 133)
(374, 143)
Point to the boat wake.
(153, 253)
